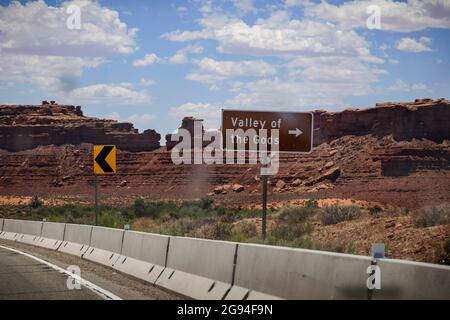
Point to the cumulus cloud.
(211, 70)
(208, 112)
(181, 56)
(398, 16)
(147, 60)
(147, 82)
(35, 28)
(413, 45)
(142, 121)
(276, 35)
(401, 85)
(38, 48)
(109, 94)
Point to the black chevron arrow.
(101, 159)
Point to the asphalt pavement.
(23, 278)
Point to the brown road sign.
(295, 128)
(105, 159)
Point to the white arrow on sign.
(297, 132)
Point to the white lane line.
(105, 293)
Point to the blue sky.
(153, 62)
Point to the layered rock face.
(423, 118)
(393, 153)
(27, 126)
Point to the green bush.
(243, 231)
(312, 204)
(295, 214)
(336, 213)
(35, 202)
(289, 232)
(111, 218)
(206, 202)
(142, 209)
(248, 213)
(432, 215)
(215, 230)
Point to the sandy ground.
(124, 286)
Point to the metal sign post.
(264, 205)
(96, 199)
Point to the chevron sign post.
(104, 163)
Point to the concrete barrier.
(11, 229)
(143, 255)
(52, 235)
(77, 239)
(413, 280)
(198, 268)
(30, 231)
(265, 272)
(106, 246)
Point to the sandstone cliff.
(25, 127)
(423, 118)
(393, 153)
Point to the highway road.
(23, 278)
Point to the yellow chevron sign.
(105, 159)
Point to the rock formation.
(25, 127)
(423, 118)
(187, 123)
(393, 153)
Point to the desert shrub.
(443, 253)
(190, 210)
(295, 214)
(142, 209)
(243, 231)
(336, 213)
(179, 227)
(375, 210)
(206, 202)
(35, 202)
(311, 203)
(432, 215)
(111, 218)
(216, 230)
(283, 233)
(248, 213)
(338, 246)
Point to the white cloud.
(419, 86)
(109, 94)
(277, 35)
(401, 85)
(38, 29)
(181, 56)
(325, 63)
(208, 112)
(38, 48)
(49, 73)
(147, 82)
(143, 121)
(244, 7)
(399, 16)
(413, 45)
(147, 60)
(211, 70)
